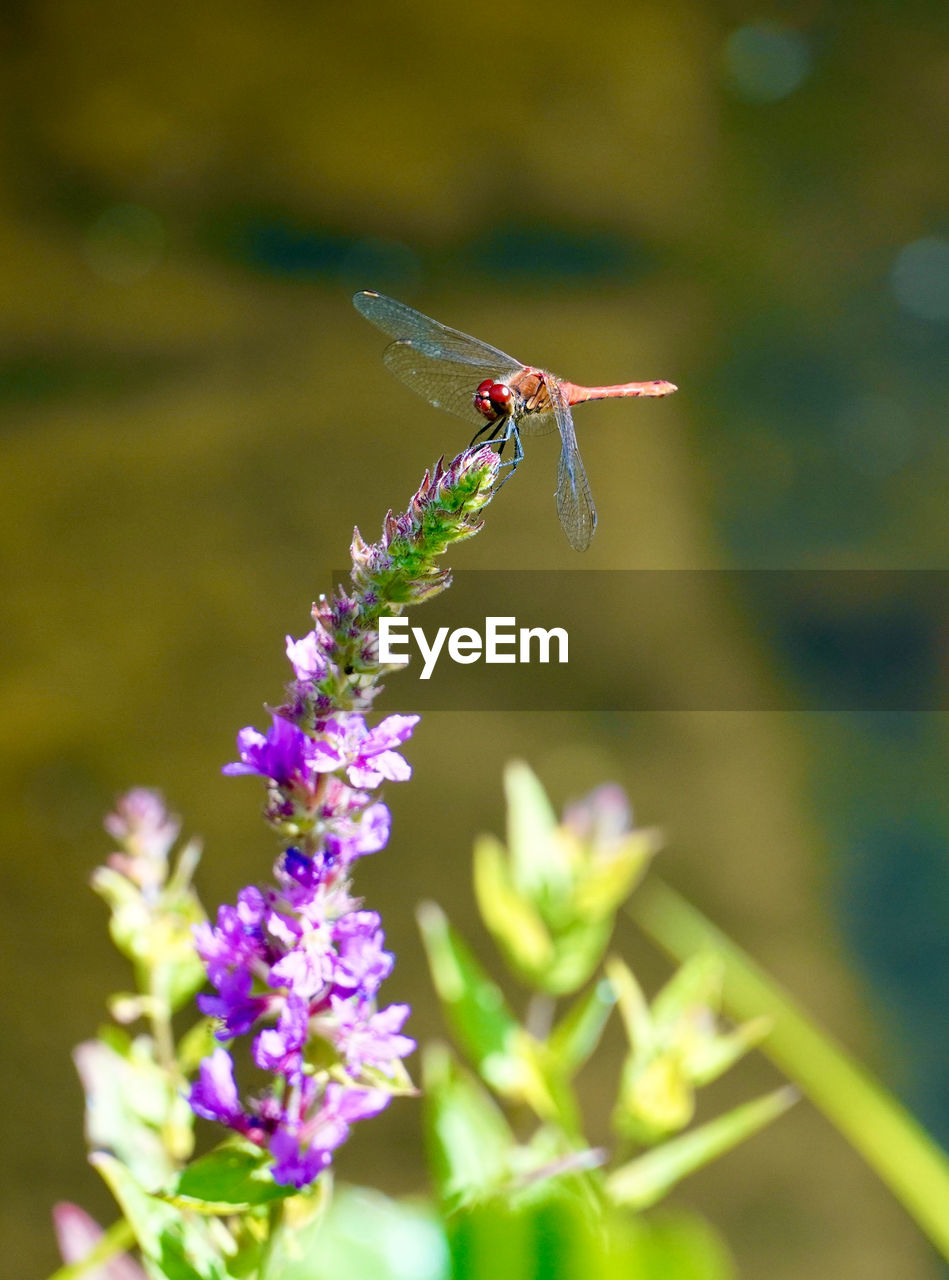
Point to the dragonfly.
(482, 385)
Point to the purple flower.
(302, 1152)
(299, 962)
(306, 657)
(214, 1094)
(295, 964)
(146, 831)
(140, 816)
(308, 968)
(238, 937)
(354, 839)
(234, 1005)
(366, 754)
(280, 1049)
(293, 1166)
(603, 818)
(366, 1038)
(283, 754)
(362, 964)
(302, 768)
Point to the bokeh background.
(750, 200)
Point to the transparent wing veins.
(443, 383)
(574, 499)
(429, 336)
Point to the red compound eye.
(500, 395)
(482, 400)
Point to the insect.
(480, 384)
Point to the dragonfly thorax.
(494, 400)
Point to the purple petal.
(141, 817)
(306, 969)
(250, 744)
(391, 732)
(364, 776)
(370, 1039)
(214, 1093)
(279, 1049)
(374, 829)
(280, 755)
(363, 965)
(393, 766)
(294, 1167)
(307, 660)
(355, 1104)
(350, 726)
(324, 756)
(237, 1009)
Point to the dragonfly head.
(493, 399)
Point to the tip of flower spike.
(358, 548)
(483, 456)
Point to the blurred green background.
(752, 201)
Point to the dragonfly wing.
(574, 499)
(537, 424)
(429, 336)
(444, 383)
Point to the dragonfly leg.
(499, 433)
(478, 434)
(514, 436)
(495, 429)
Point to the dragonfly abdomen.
(579, 395)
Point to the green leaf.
(174, 1246)
(556, 1233)
(470, 1140)
(132, 1108)
(491, 1240)
(230, 1179)
(538, 858)
(718, 1054)
(644, 1181)
(671, 1246)
(178, 974)
(655, 1099)
(578, 949)
(507, 1058)
(173, 1263)
(474, 1005)
(363, 1236)
(609, 878)
(574, 1038)
(633, 1007)
(696, 984)
(892, 1142)
(474, 1153)
(116, 890)
(558, 1238)
(511, 917)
